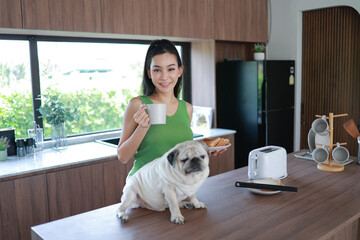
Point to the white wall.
(285, 39)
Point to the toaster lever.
(253, 166)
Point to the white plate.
(212, 149)
(311, 140)
(262, 192)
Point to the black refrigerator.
(256, 98)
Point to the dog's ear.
(206, 147)
(172, 156)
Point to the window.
(97, 76)
(16, 105)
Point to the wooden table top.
(325, 202)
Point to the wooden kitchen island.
(326, 206)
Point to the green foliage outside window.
(16, 111)
(97, 111)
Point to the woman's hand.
(141, 117)
(216, 152)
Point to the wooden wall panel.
(331, 72)
(10, 16)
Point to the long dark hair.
(158, 47)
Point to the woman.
(161, 83)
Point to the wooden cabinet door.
(70, 192)
(188, 18)
(82, 189)
(142, 17)
(225, 161)
(10, 16)
(36, 14)
(108, 182)
(79, 15)
(241, 20)
(63, 15)
(23, 203)
(1, 224)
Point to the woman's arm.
(136, 123)
(189, 108)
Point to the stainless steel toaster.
(267, 162)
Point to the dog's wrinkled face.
(189, 157)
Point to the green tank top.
(161, 138)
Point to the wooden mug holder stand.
(331, 166)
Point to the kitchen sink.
(113, 142)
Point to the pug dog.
(169, 181)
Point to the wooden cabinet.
(10, 16)
(63, 15)
(230, 20)
(241, 20)
(36, 14)
(186, 18)
(70, 192)
(132, 17)
(108, 182)
(225, 161)
(82, 189)
(23, 203)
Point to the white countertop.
(75, 154)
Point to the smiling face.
(164, 72)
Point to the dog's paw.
(123, 216)
(178, 219)
(199, 205)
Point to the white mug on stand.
(157, 113)
(340, 154)
(322, 140)
(320, 126)
(320, 154)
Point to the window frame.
(35, 75)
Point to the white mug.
(320, 154)
(340, 154)
(323, 140)
(320, 126)
(157, 113)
